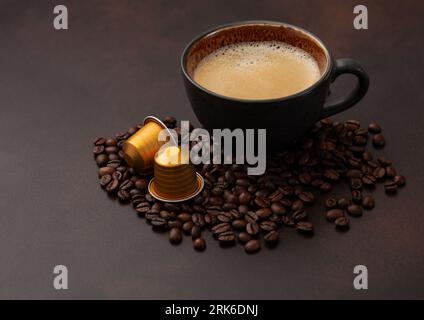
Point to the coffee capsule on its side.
(140, 149)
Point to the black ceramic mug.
(285, 118)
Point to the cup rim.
(247, 23)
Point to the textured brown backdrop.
(119, 62)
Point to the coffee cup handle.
(342, 66)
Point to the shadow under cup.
(286, 118)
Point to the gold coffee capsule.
(175, 179)
(140, 149)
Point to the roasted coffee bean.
(331, 203)
(399, 180)
(123, 195)
(175, 224)
(287, 203)
(357, 196)
(367, 155)
(184, 217)
(229, 177)
(378, 140)
(187, 226)
(343, 202)
(356, 184)
(286, 190)
(275, 218)
(390, 172)
(278, 208)
(111, 149)
(195, 232)
(288, 221)
(244, 198)
(235, 214)
(334, 214)
(384, 162)
(360, 140)
(221, 228)
(126, 185)
(112, 186)
(224, 217)
(276, 196)
(122, 136)
(353, 173)
(150, 216)
(141, 184)
(105, 180)
(252, 246)
(390, 187)
(252, 228)
(106, 171)
(132, 130)
(239, 224)
(368, 202)
(216, 201)
(299, 215)
(170, 121)
(244, 237)
(167, 215)
(267, 226)
(198, 220)
(142, 208)
(369, 180)
(210, 219)
(251, 216)
(199, 244)
(262, 202)
(354, 210)
(217, 191)
(354, 162)
(325, 187)
(159, 223)
(305, 227)
(136, 193)
(150, 198)
(227, 237)
(111, 142)
(99, 141)
(175, 236)
(304, 178)
(374, 127)
(342, 223)
(98, 150)
(297, 205)
(263, 213)
(157, 207)
(243, 182)
(331, 175)
(379, 172)
(171, 207)
(199, 209)
(306, 197)
(114, 163)
(102, 160)
(271, 237)
(117, 175)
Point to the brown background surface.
(119, 62)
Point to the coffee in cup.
(257, 70)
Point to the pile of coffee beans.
(252, 210)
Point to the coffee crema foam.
(257, 70)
